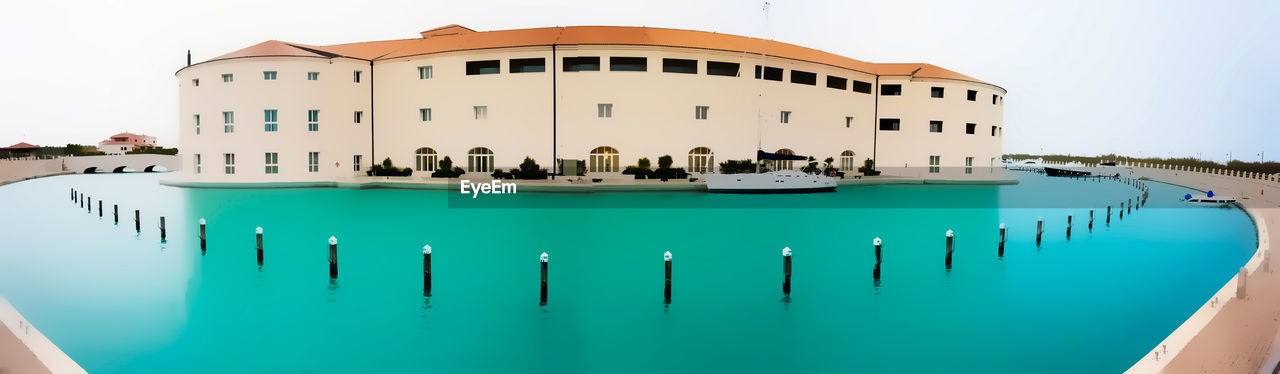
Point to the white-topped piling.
(202, 236)
(257, 233)
(333, 257)
(666, 289)
(950, 247)
(426, 270)
(786, 270)
(543, 259)
(1000, 251)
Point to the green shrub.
(445, 169)
(867, 165)
(738, 167)
(664, 162)
(388, 169)
(529, 169)
(643, 163)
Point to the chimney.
(188, 57)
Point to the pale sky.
(1149, 78)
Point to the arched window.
(426, 159)
(603, 160)
(848, 162)
(480, 159)
(781, 165)
(701, 160)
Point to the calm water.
(120, 302)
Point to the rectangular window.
(973, 95)
(935, 92)
(196, 83)
(527, 65)
(425, 114)
(891, 90)
(313, 76)
(228, 122)
(768, 73)
(700, 112)
(861, 87)
(355, 162)
(890, 124)
(425, 72)
(970, 128)
(270, 119)
(227, 78)
(588, 63)
(269, 75)
(483, 67)
(804, 77)
(359, 116)
(313, 120)
(724, 69)
(993, 131)
(273, 163)
(837, 82)
(993, 99)
(313, 162)
(934, 162)
(197, 163)
(682, 66)
(481, 111)
(196, 118)
(848, 122)
(968, 165)
(628, 64)
(355, 76)
(935, 126)
(229, 163)
(604, 110)
(786, 117)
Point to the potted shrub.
(868, 168)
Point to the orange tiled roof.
(457, 38)
(23, 145)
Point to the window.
(628, 64)
(271, 124)
(1001, 132)
(724, 69)
(804, 77)
(847, 161)
(993, 99)
(837, 82)
(196, 83)
(313, 162)
(993, 131)
(355, 162)
(935, 126)
(197, 163)
(527, 65)
(603, 160)
(425, 72)
(483, 67)
(973, 95)
(228, 122)
(786, 117)
(768, 73)
(604, 110)
(848, 122)
(273, 163)
(196, 119)
(700, 112)
(781, 164)
(861, 87)
(968, 165)
(970, 128)
(481, 111)
(425, 159)
(934, 161)
(269, 75)
(425, 114)
(359, 116)
(581, 64)
(891, 90)
(229, 163)
(480, 159)
(889, 124)
(356, 76)
(227, 78)
(313, 120)
(675, 65)
(313, 76)
(935, 92)
(701, 160)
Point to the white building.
(287, 112)
(124, 142)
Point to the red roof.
(22, 146)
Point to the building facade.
(286, 112)
(124, 142)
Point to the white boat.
(1209, 199)
(1026, 165)
(781, 181)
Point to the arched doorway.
(848, 162)
(480, 159)
(426, 159)
(701, 160)
(603, 159)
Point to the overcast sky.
(1147, 78)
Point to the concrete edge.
(12, 181)
(53, 358)
(553, 186)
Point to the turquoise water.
(120, 302)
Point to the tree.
(643, 163)
(664, 162)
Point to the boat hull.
(778, 182)
(1056, 172)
